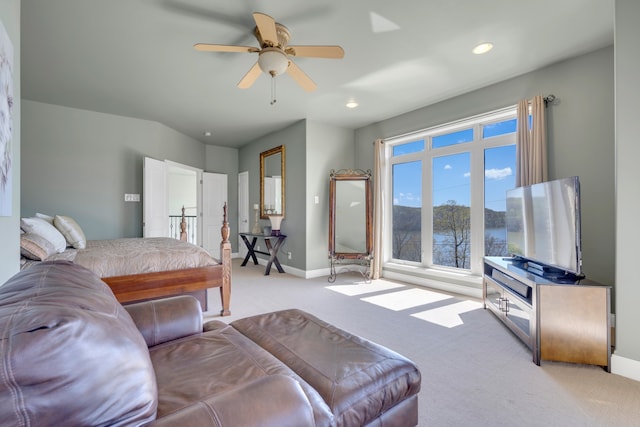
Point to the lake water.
(498, 233)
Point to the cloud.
(498, 174)
(407, 199)
(447, 167)
(467, 174)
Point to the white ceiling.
(135, 57)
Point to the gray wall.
(10, 225)
(81, 163)
(627, 290)
(580, 137)
(328, 147)
(294, 222)
(312, 150)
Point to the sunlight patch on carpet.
(403, 300)
(362, 288)
(449, 315)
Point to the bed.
(137, 269)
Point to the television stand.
(563, 319)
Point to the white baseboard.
(625, 367)
(291, 270)
(312, 274)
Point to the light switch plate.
(131, 197)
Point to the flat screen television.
(543, 226)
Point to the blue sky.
(451, 174)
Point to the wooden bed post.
(183, 227)
(225, 260)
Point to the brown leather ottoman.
(362, 382)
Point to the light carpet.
(475, 372)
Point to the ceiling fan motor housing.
(283, 37)
(273, 60)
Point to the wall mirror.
(272, 167)
(350, 219)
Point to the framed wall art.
(6, 122)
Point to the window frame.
(476, 149)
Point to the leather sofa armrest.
(276, 401)
(167, 319)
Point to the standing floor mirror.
(350, 221)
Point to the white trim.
(288, 269)
(625, 367)
(492, 116)
(475, 150)
(470, 286)
(312, 274)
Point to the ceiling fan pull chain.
(273, 90)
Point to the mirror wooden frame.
(263, 157)
(362, 258)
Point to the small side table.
(273, 250)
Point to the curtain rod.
(549, 99)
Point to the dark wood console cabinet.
(558, 319)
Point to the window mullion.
(453, 139)
(427, 210)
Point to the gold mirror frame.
(266, 210)
(367, 221)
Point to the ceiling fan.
(274, 53)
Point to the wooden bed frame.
(192, 281)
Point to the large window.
(449, 184)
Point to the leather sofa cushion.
(358, 379)
(229, 359)
(166, 319)
(71, 355)
(271, 401)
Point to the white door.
(214, 196)
(155, 215)
(243, 209)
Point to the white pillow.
(42, 228)
(46, 217)
(71, 231)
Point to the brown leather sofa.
(72, 355)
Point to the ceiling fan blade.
(300, 77)
(250, 78)
(267, 28)
(331, 52)
(205, 47)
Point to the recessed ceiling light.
(482, 48)
(207, 133)
(352, 104)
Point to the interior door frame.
(155, 218)
(244, 224)
(198, 172)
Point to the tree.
(494, 246)
(454, 222)
(407, 226)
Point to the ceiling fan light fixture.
(273, 61)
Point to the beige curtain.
(378, 209)
(531, 144)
